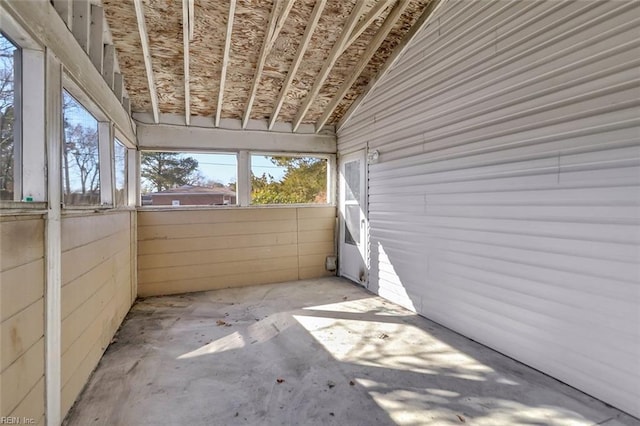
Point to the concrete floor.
(314, 352)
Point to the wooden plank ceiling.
(286, 61)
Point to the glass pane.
(352, 180)
(120, 172)
(80, 159)
(288, 180)
(352, 224)
(188, 179)
(8, 54)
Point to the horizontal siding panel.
(182, 251)
(21, 286)
(96, 292)
(17, 381)
(32, 406)
(240, 279)
(150, 218)
(22, 242)
(505, 202)
(78, 231)
(84, 259)
(162, 246)
(316, 212)
(216, 270)
(21, 332)
(78, 291)
(176, 231)
(215, 256)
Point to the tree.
(166, 170)
(81, 149)
(304, 181)
(7, 93)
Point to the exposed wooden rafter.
(364, 23)
(225, 60)
(332, 58)
(380, 36)
(144, 40)
(421, 23)
(302, 48)
(279, 13)
(185, 46)
(192, 22)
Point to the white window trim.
(331, 174)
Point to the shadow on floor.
(313, 352)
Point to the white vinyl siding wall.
(506, 200)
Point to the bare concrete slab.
(314, 352)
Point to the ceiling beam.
(373, 14)
(196, 138)
(225, 60)
(185, 47)
(144, 40)
(372, 48)
(192, 21)
(421, 23)
(279, 14)
(302, 49)
(65, 10)
(96, 28)
(329, 62)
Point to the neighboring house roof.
(194, 189)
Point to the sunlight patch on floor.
(390, 345)
(432, 406)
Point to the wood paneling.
(194, 250)
(96, 292)
(22, 316)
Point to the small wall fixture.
(372, 156)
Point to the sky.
(222, 167)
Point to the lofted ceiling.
(279, 61)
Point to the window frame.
(243, 177)
(125, 203)
(138, 181)
(330, 184)
(30, 185)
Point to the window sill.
(252, 207)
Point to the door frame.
(354, 155)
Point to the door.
(353, 221)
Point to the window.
(9, 137)
(288, 180)
(120, 172)
(177, 179)
(80, 157)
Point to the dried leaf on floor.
(462, 419)
(383, 336)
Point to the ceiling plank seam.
(185, 44)
(330, 61)
(302, 49)
(279, 14)
(144, 40)
(372, 48)
(225, 60)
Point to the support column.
(53, 321)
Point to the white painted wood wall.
(506, 200)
